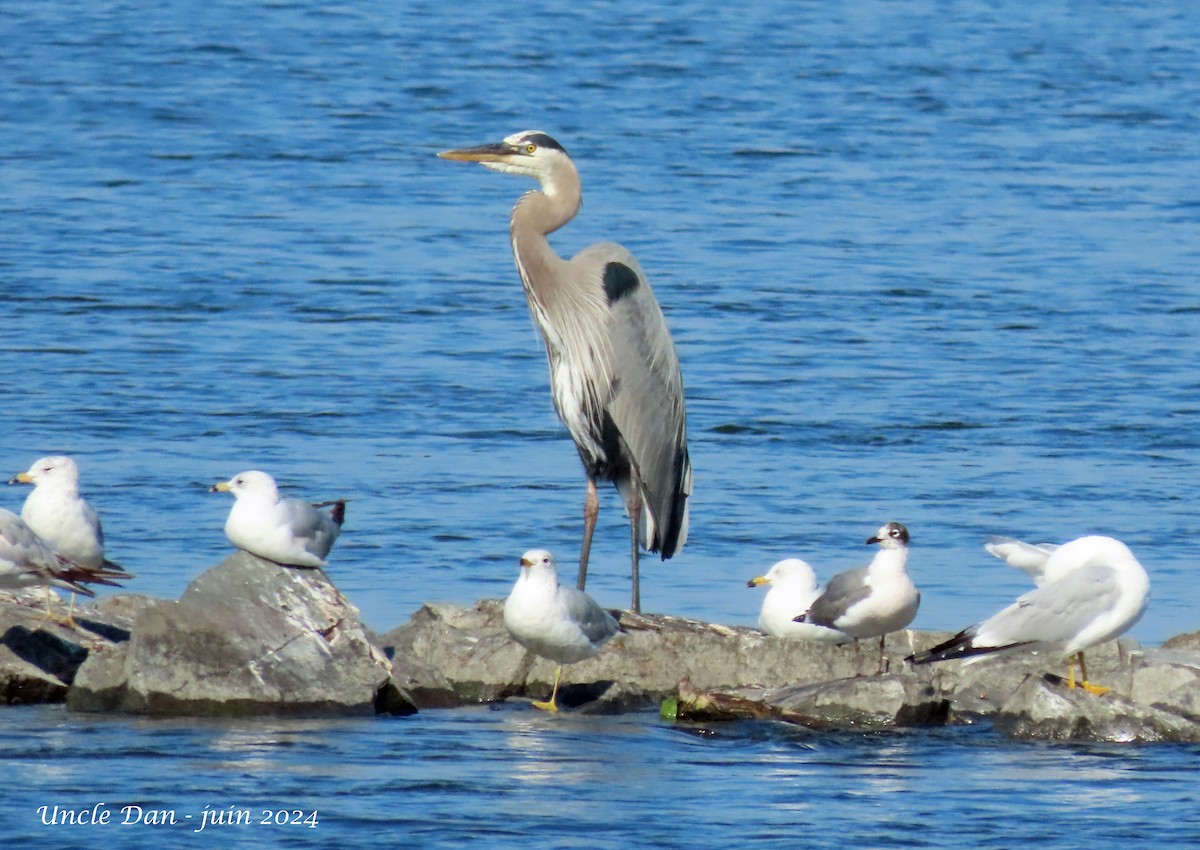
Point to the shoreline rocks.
(252, 638)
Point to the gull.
(552, 620)
(287, 531)
(28, 561)
(1029, 558)
(59, 515)
(1092, 590)
(793, 590)
(62, 518)
(873, 600)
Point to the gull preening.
(554, 621)
(1091, 590)
(287, 531)
(614, 374)
(28, 561)
(1029, 558)
(793, 590)
(874, 600)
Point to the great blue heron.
(1089, 591)
(614, 374)
(873, 600)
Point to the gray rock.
(864, 702)
(1044, 711)
(469, 649)
(39, 656)
(247, 637)
(1189, 640)
(1168, 679)
(977, 690)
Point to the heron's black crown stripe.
(543, 141)
(619, 281)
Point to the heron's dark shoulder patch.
(619, 281)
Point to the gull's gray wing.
(1054, 613)
(842, 593)
(1029, 558)
(595, 623)
(313, 529)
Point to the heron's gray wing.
(645, 400)
(1030, 558)
(595, 623)
(842, 593)
(1054, 613)
(314, 529)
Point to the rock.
(469, 649)
(39, 657)
(1044, 711)
(248, 637)
(977, 690)
(866, 702)
(1190, 640)
(1168, 679)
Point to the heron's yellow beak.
(22, 478)
(223, 487)
(757, 580)
(497, 152)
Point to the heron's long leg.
(591, 510)
(552, 704)
(635, 543)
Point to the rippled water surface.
(926, 262)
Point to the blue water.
(922, 261)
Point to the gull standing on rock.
(62, 518)
(873, 600)
(614, 374)
(28, 561)
(1090, 590)
(793, 590)
(287, 531)
(556, 622)
(59, 515)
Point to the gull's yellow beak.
(525, 562)
(223, 487)
(757, 580)
(22, 478)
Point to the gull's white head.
(539, 562)
(251, 483)
(54, 471)
(788, 571)
(891, 536)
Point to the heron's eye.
(530, 148)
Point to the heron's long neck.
(536, 215)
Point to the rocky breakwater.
(250, 638)
(247, 638)
(701, 673)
